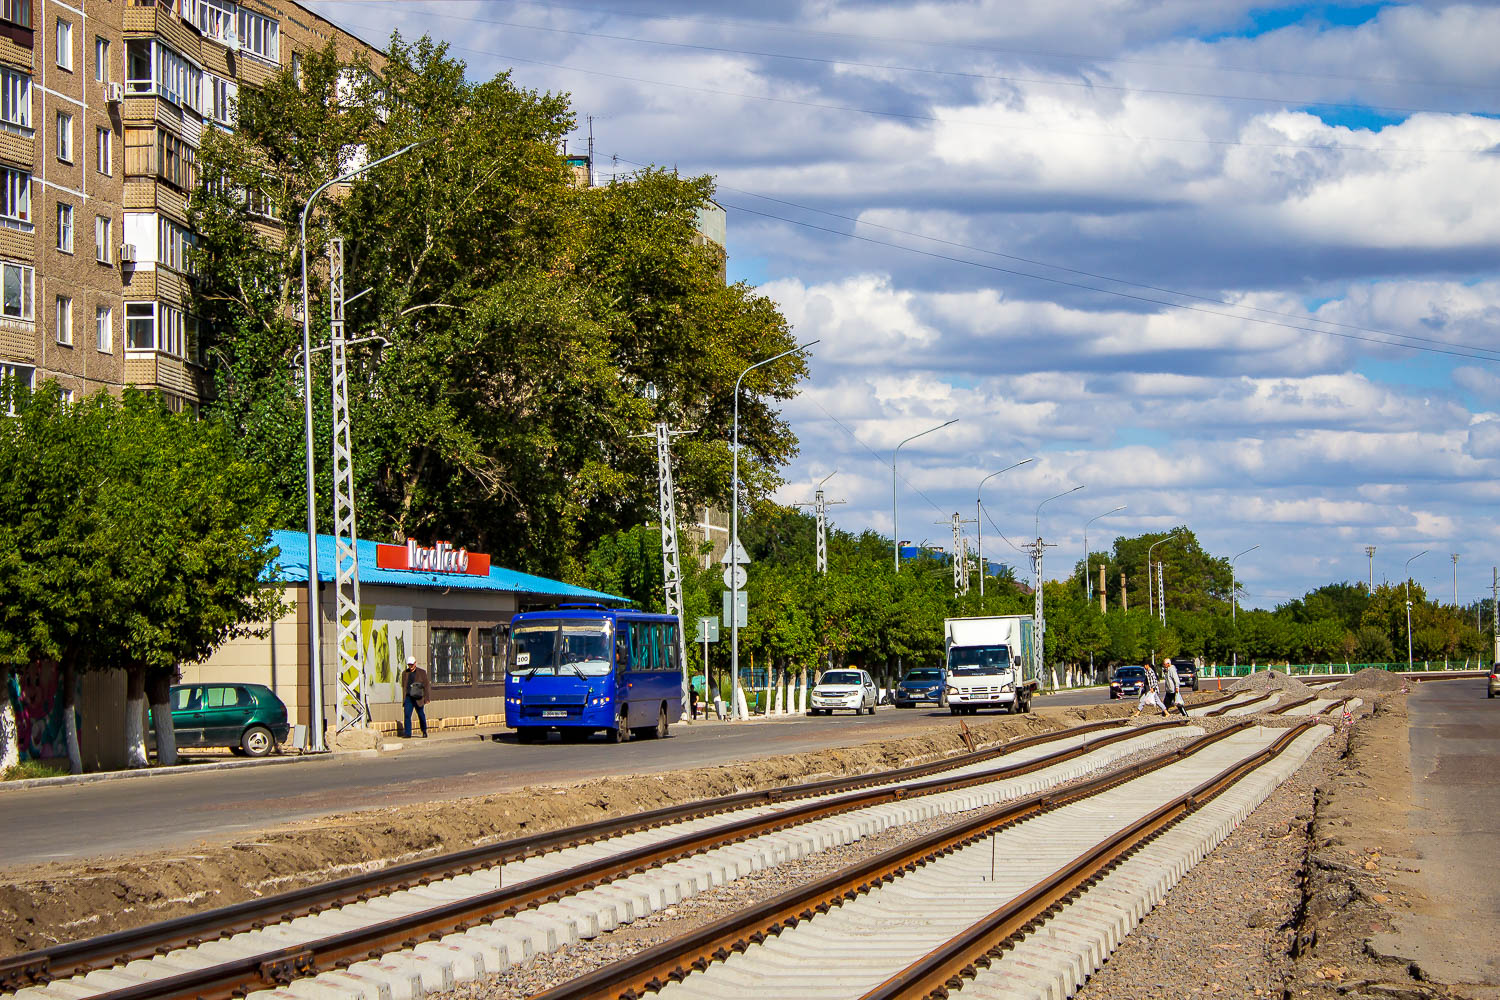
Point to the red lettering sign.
(441, 557)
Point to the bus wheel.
(620, 733)
(660, 732)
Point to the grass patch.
(33, 769)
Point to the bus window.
(658, 647)
(672, 657)
(532, 649)
(585, 649)
(640, 646)
(622, 651)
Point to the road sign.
(735, 577)
(708, 629)
(741, 608)
(739, 556)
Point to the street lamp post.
(314, 613)
(979, 518)
(1407, 571)
(1233, 594)
(1088, 583)
(734, 534)
(895, 527)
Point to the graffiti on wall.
(387, 633)
(37, 694)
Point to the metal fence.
(1313, 669)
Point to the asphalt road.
(144, 814)
(1455, 771)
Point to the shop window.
(449, 655)
(492, 655)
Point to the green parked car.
(248, 718)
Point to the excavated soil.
(1370, 679)
(57, 902)
(1272, 680)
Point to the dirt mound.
(1272, 680)
(1370, 679)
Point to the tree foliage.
(532, 329)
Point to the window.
(15, 290)
(65, 320)
(65, 228)
(16, 12)
(15, 198)
(176, 161)
(491, 664)
(172, 245)
(214, 18)
(68, 396)
(103, 151)
(13, 377)
(64, 43)
(449, 655)
(101, 59)
(103, 234)
(15, 100)
(258, 35)
(140, 326)
(65, 137)
(104, 329)
(259, 203)
(297, 68)
(224, 94)
(153, 68)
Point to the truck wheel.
(952, 709)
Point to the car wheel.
(257, 741)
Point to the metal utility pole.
(671, 567)
(895, 507)
(1407, 584)
(353, 709)
(979, 518)
(1495, 604)
(1234, 595)
(1039, 620)
(1150, 551)
(1161, 591)
(819, 505)
(960, 558)
(1370, 554)
(734, 529)
(1455, 579)
(1102, 589)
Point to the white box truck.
(987, 663)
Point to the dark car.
(248, 718)
(1187, 673)
(919, 685)
(1128, 682)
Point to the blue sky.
(1275, 302)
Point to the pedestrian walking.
(416, 692)
(1151, 693)
(1171, 688)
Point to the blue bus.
(582, 668)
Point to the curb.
(167, 772)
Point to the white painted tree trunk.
(70, 729)
(10, 733)
(773, 700)
(135, 732)
(166, 736)
(741, 706)
(802, 693)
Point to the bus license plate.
(554, 714)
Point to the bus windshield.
(562, 649)
(972, 661)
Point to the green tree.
(524, 318)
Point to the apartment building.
(103, 104)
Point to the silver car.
(848, 690)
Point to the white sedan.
(847, 690)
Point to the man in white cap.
(416, 692)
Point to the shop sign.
(440, 557)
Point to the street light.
(734, 533)
(979, 517)
(1233, 589)
(314, 616)
(1087, 577)
(1407, 571)
(1038, 523)
(895, 529)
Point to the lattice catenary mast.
(353, 710)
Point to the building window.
(449, 655)
(65, 137)
(15, 290)
(103, 234)
(214, 18)
(492, 654)
(16, 12)
(64, 44)
(68, 396)
(153, 68)
(15, 100)
(159, 153)
(12, 378)
(15, 198)
(104, 329)
(297, 68)
(156, 326)
(224, 95)
(104, 160)
(65, 320)
(101, 59)
(65, 228)
(259, 35)
(172, 245)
